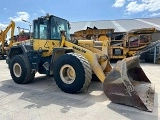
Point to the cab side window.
(43, 31)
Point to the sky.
(76, 10)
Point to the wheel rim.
(17, 70)
(67, 74)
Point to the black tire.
(82, 70)
(26, 75)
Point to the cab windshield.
(57, 25)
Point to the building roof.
(122, 25)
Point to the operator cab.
(50, 27)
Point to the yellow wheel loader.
(72, 64)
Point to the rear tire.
(20, 70)
(72, 73)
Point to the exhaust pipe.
(127, 84)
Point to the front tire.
(72, 73)
(20, 70)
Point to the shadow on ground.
(43, 91)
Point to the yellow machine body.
(47, 45)
(98, 59)
(3, 35)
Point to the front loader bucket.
(127, 84)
